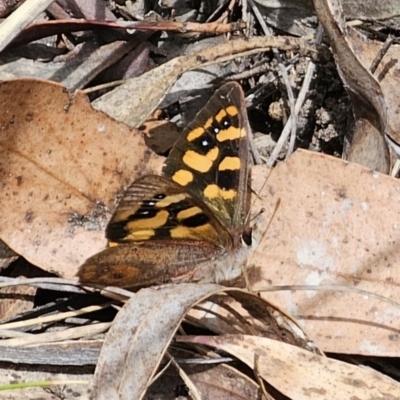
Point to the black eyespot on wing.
(226, 122)
(159, 196)
(143, 212)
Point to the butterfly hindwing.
(150, 262)
(210, 159)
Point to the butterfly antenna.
(248, 218)
(244, 269)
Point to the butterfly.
(189, 225)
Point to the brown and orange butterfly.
(190, 224)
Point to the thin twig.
(60, 336)
(300, 99)
(57, 284)
(285, 78)
(19, 19)
(381, 54)
(54, 317)
(192, 388)
(328, 288)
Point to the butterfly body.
(188, 225)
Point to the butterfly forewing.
(155, 208)
(210, 159)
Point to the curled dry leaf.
(300, 374)
(368, 146)
(144, 328)
(245, 313)
(139, 337)
(61, 165)
(337, 224)
(387, 74)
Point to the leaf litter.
(63, 166)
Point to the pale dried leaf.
(303, 375)
(62, 164)
(337, 224)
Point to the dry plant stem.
(53, 318)
(393, 145)
(51, 337)
(118, 294)
(395, 169)
(216, 11)
(225, 15)
(197, 348)
(246, 16)
(228, 319)
(300, 100)
(42, 384)
(155, 377)
(184, 27)
(381, 54)
(192, 388)
(203, 361)
(329, 288)
(260, 69)
(259, 378)
(103, 86)
(13, 334)
(285, 78)
(19, 19)
(58, 284)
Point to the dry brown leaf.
(61, 165)
(300, 374)
(337, 224)
(160, 135)
(236, 311)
